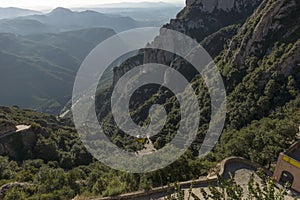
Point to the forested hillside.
(259, 63)
(62, 20)
(38, 71)
(6, 13)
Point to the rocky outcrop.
(215, 42)
(17, 144)
(225, 5)
(199, 19)
(267, 21)
(126, 66)
(261, 65)
(269, 24)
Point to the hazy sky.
(67, 3)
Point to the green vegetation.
(59, 167)
(261, 75)
(262, 83)
(211, 22)
(38, 71)
(230, 190)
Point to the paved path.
(228, 166)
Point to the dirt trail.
(149, 148)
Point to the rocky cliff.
(258, 57)
(202, 17)
(261, 65)
(199, 19)
(274, 21)
(225, 5)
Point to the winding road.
(228, 167)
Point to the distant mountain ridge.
(63, 19)
(41, 54)
(66, 19)
(144, 4)
(38, 71)
(77, 43)
(12, 12)
(153, 14)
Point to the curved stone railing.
(226, 166)
(241, 161)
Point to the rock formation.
(199, 19)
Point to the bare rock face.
(211, 5)
(210, 15)
(270, 23)
(225, 5)
(127, 66)
(262, 61)
(199, 19)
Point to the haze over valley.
(51, 46)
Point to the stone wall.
(231, 162)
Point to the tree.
(46, 149)
(15, 194)
(81, 155)
(229, 189)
